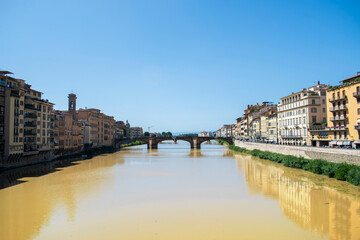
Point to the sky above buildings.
(178, 65)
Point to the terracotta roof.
(350, 79)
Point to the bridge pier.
(195, 143)
(152, 144)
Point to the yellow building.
(343, 116)
(101, 126)
(271, 126)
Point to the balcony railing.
(338, 108)
(30, 116)
(30, 106)
(319, 128)
(30, 125)
(338, 118)
(29, 133)
(337, 99)
(291, 136)
(338, 128)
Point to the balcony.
(31, 107)
(342, 98)
(338, 118)
(291, 136)
(319, 128)
(338, 128)
(338, 108)
(29, 133)
(28, 115)
(29, 125)
(356, 94)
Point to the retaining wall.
(351, 156)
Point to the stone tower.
(72, 104)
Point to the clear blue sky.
(178, 65)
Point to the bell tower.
(72, 104)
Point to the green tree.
(146, 134)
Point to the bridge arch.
(152, 143)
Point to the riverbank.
(87, 154)
(337, 155)
(339, 171)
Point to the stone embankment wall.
(337, 155)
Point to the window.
(314, 119)
(323, 101)
(313, 110)
(313, 101)
(358, 111)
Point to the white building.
(297, 112)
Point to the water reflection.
(313, 207)
(27, 207)
(12, 177)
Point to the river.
(175, 193)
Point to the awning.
(332, 143)
(357, 142)
(348, 143)
(358, 121)
(339, 143)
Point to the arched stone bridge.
(152, 143)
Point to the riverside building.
(136, 132)
(343, 124)
(257, 121)
(299, 111)
(25, 121)
(241, 128)
(99, 126)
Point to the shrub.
(342, 170)
(353, 176)
(294, 162)
(329, 169)
(316, 166)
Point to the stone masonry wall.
(350, 156)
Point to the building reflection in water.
(25, 208)
(311, 206)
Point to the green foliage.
(316, 166)
(131, 144)
(166, 134)
(295, 162)
(222, 142)
(353, 176)
(329, 169)
(146, 134)
(340, 171)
